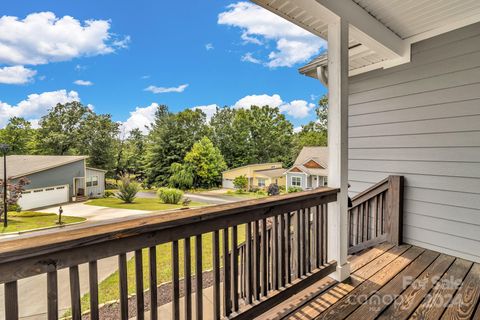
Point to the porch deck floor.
(392, 282)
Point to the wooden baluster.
(11, 300)
(93, 286)
(152, 252)
(264, 258)
(321, 245)
(139, 284)
(325, 233)
(381, 215)
(298, 247)
(365, 221)
(374, 217)
(216, 274)
(248, 263)
(187, 264)
(288, 247)
(52, 296)
(122, 270)
(75, 293)
(198, 278)
(274, 244)
(318, 235)
(234, 268)
(175, 282)
(304, 241)
(357, 234)
(308, 238)
(256, 259)
(227, 303)
(281, 264)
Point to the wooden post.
(393, 223)
(338, 144)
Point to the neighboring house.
(310, 169)
(259, 175)
(54, 179)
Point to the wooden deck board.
(392, 282)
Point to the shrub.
(240, 183)
(127, 190)
(294, 189)
(186, 202)
(14, 207)
(261, 192)
(108, 194)
(254, 189)
(170, 195)
(273, 189)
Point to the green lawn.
(150, 204)
(109, 288)
(27, 220)
(246, 195)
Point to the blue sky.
(121, 57)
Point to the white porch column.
(338, 144)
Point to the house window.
(261, 182)
(325, 181)
(297, 181)
(92, 181)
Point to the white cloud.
(209, 46)
(16, 75)
(297, 129)
(248, 57)
(260, 26)
(141, 118)
(209, 110)
(297, 108)
(147, 76)
(42, 37)
(36, 105)
(156, 89)
(83, 83)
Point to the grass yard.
(149, 204)
(109, 288)
(247, 195)
(27, 220)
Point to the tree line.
(181, 149)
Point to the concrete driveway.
(95, 214)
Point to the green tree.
(96, 138)
(240, 183)
(19, 135)
(171, 137)
(207, 163)
(258, 134)
(60, 128)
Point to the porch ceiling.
(381, 32)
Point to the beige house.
(310, 170)
(259, 175)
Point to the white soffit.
(381, 31)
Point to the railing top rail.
(209, 217)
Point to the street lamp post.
(4, 150)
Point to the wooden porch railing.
(376, 215)
(272, 268)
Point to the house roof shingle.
(23, 165)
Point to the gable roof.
(23, 165)
(271, 173)
(308, 154)
(276, 164)
(317, 154)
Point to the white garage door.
(227, 184)
(44, 197)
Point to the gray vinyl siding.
(422, 120)
(99, 190)
(57, 176)
(294, 174)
